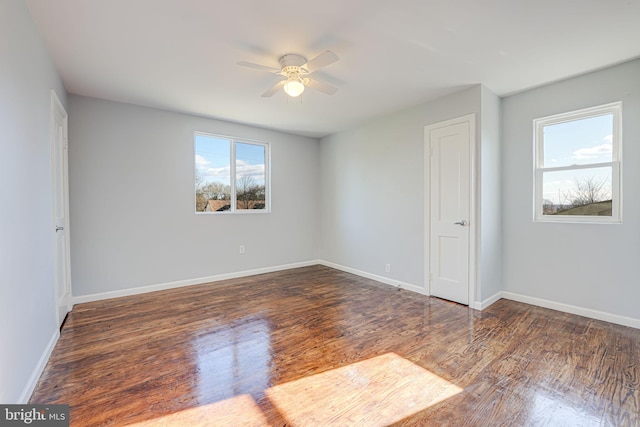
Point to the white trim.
(396, 283)
(427, 211)
(57, 109)
(210, 279)
(572, 309)
(188, 282)
(567, 308)
(39, 369)
(487, 302)
(473, 205)
(539, 169)
(233, 141)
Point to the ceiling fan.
(295, 70)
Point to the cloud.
(244, 168)
(223, 172)
(201, 162)
(593, 152)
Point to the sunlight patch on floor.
(374, 392)
(240, 410)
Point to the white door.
(449, 147)
(62, 270)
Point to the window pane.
(579, 142)
(213, 173)
(250, 176)
(577, 192)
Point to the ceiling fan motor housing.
(292, 65)
(292, 60)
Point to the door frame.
(57, 109)
(473, 208)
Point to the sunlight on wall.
(374, 392)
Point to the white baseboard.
(188, 282)
(39, 368)
(385, 280)
(487, 302)
(580, 311)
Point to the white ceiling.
(181, 55)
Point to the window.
(578, 161)
(231, 175)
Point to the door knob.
(58, 228)
(462, 223)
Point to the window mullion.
(232, 171)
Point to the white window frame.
(615, 109)
(232, 165)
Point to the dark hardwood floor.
(315, 346)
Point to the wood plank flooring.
(316, 346)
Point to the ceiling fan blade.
(321, 61)
(257, 66)
(273, 89)
(320, 86)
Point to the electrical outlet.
(387, 268)
(241, 249)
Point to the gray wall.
(27, 302)
(132, 201)
(490, 197)
(594, 266)
(372, 190)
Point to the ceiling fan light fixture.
(293, 87)
(295, 74)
